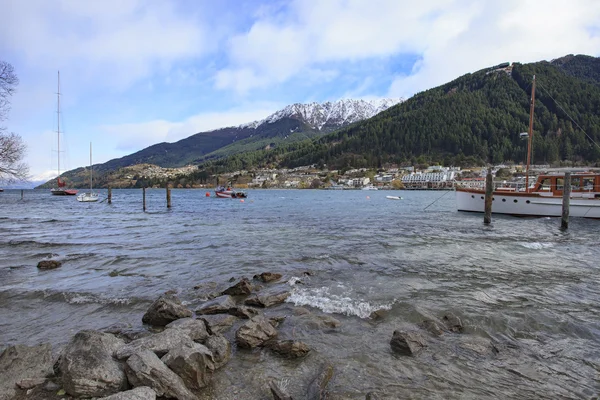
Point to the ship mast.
(58, 126)
(530, 138)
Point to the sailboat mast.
(58, 124)
(90, 168)
(530, 138)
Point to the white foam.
(86, 299)
(536, 245)
(334, 304)
(294, 280)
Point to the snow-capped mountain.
(329, 115)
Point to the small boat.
(393, 197)
(90, 196)
(229, 193)
(544, 198)
(369, 187)
(60, 190)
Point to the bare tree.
(12, 147)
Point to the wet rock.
(165, 309)
(321, 321)
(268, 299)
(19, 362)
(219, 305)
(30, 383)
(88, 368)
(317, 389)
(139, 393)
(432, 327)
(267, 277)
(255, 332)
(243, 312)
(191, 362)
(407, 343)
(146, 369)
(278, 392)
(194, 328)
(453, 323)
(242, 288)
(290, 348)
(300, 311)
(125, 332)
(49, 264)
(159, 343)
(218, 323)
(378, 315)
(277, 320)
(220, 348)
(480, 346)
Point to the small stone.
(290, 348)
(407, 343)
(453, 323)
(29, 383)
(378, 315)
(242, 288)
(267, 277)
(49, 264)
(432, 327)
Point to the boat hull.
(64, 192)
(526, 204)
(230, 194)
(87, 197)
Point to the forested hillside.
(474, 119)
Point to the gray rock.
(30, 383)
(378, 315)
(277, 320)
(218, 323)
(165, 309)
(49, 264)
(191, 361)
(320, 321)
(146, 369)
(242, 288)
(267, 277)
(278, 392)
(88, 368)
(23, 362)
(139, 393)
(407, 343)
(290, 348)
(220, 348)
(126, 332)
(243, 312)
(453, 323)
(255, 332)
(317, 389)
(194, 328)
(220, 305)
(432, 327)
(160, 343)
(268, 299)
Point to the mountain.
(473, 119)
(292, 124)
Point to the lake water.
(522, 285)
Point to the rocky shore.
(183, 353)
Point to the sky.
(138, 72)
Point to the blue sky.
(140, 72)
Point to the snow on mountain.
(329, 115)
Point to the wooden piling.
(564, 223)
(168, 197)
(489, 196)
(144, 198)
(109, 195)
(21, 194)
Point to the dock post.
(109, 195)
(168, 196)
(144, 198)
(564, 223)
(489, 195)
(21, 194)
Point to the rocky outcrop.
(267, 277)
(290, 348)
(19, 363)
(242, 288)
(49, 264)
(219, 305)
(146, 369)
(268, 299)
(407, 343)
(218, 323)
(164, 310)
(255, 332)
(191, 362)
(139, 393)
(194, 328)
(220, 349)
(88, 367)
(160, 343)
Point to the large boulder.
(165, 309)
(407, 343)
(146, 369)
(268, 299)
(219, 305)
(242, 288)
(19, 363)
(88, 367)
(218, 323)
(160, 343)
(139, 393)
(220, 349)
(192, 362)
(194, 328)
(256, 332)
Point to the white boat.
(369, 187)
(60, 189)
(90, 196)
(544, 198)
(229, 193)
(393, 197)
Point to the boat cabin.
(582, 185)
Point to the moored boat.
(229, 193)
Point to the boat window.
(560, 183)
(588, 184)
(576, 184)
(545, 184)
